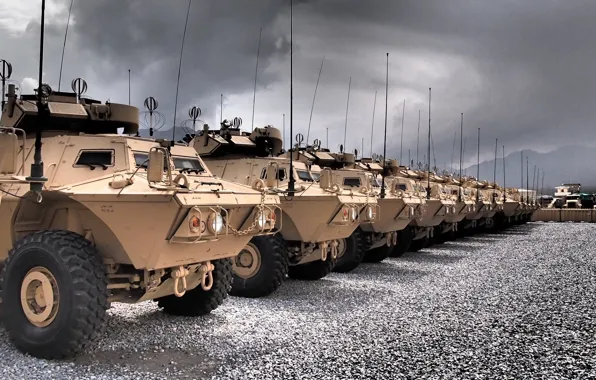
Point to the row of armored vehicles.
(116, 217)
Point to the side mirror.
(270, 179)
(9, 147)
(155, 165)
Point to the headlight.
(354, 214)
(216, 223)
(261, 219)
(370, 213)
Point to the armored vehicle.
(117, 218)
(398, 205)
(476, 219)
(463, 206)
(317, 213)
(440, 190)
(337, 172)
(422, 228)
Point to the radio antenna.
(5, 74)
(385, 134)
(527, 179)
(179, 68)
(542, 186)
(418, 139)
(461, 152)
(401, 139)
(495, 171)
(453, 150)
(533, 185)
(478, 167)
(428, 168)
(221, 109)
(254, 94)
(372, 127)
(312, 108)
(64, 45)
(347, 108)
(291, 181)
(37, 165)
(504, 187)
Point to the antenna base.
(37, 177)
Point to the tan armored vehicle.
(336, 172)
(318, 215)
(118, 219)
(422, 229)
(463, 206)
(440, 190)
(398, 204)
(476, 219)
(510, 206)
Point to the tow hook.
(334, 249)
(206, 270)
(324, 247)
(394, 238)
(177, 274)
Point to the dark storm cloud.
(527, 75)
(519, 70)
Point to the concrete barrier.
(576, 215)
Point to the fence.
(577, 215)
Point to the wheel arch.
(59, 211)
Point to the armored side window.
(402, 186)
(95, 158)
(454, 192)
(352, 182)
(281, 174)
(304, 175)
(316, 176)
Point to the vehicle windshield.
(316, 176)
(305, 176)
(189, 164)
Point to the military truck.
(317, 216)
(117, 218)
(356, 186)
(476, 219)
(440, 190)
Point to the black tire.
(272, 271)
(419, 244)
(197, 302)
(404, 241)
(80, 280)
(315, 270)
(353, 255)
(378, 254)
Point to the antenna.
(418, 139)
(533, 184)
(64, 45)
(37, 165)
(79, 87)
(453, 150)
(504, 188)
(254, 94)
(478, 167)
(401, 139)
(347, 107)
(179, 68)
(522, 173)
(461, 153)
(4, 75)
(372, 127)
(129, 87)
(221, 109)
(542, 186)
(428, 168)
(284, 129)
(327, 137)
(382, 195)
(151, 106)
(495, 171)
(291, 181)
(362, 149)
(313, 100)
(527, 180)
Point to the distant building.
(567, 189)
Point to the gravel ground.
(508, 306)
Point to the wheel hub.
(40, 297)
(248, 262)
(341, 248)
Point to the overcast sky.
(522, 71)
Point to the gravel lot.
(507, 306)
